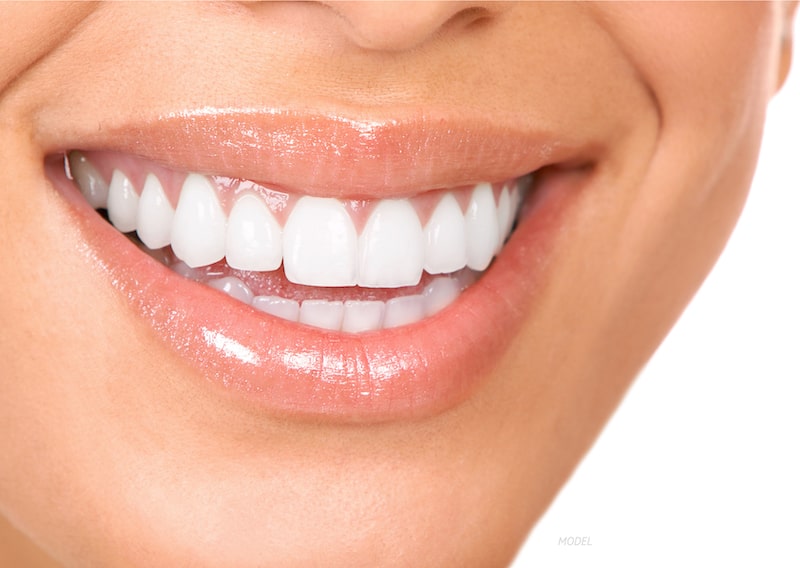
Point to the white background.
(700, 466)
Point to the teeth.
(154, 218)
(362, 316)
(91, 183)
(482, 227)
(445, 238)
(233, 287)
(404, 310)
(439, 294)
(254, 240)
(504, 217)
(278, 307)
(198, 229)
(391, 246)
(320, 244)
(322, 314)
(352, 316)
(123, 203)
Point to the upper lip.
(329, 155)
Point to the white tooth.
(482, 230)
(278, 307)
(233, 287)
(391, 246)
(362, 316)
(154, 219)
(504, 213)
(198, 229)
(320, 244)
(445, 238)
(322, 313)
(187, 271)
(440, 293)
(404, 310)
(123, 203)
(92, 185)
(254, 239)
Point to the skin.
(113, 457)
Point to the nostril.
(397, 26)
(470, 17)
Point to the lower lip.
(288, 369)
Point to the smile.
(361, 303)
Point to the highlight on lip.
(352, 265)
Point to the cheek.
(649, 233)
(37, 29)
(712, 81)
(702, 61)
(711, 68)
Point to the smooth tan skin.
(113, 457)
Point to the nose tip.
(397, 26)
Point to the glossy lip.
(285, 368)
(333, 156)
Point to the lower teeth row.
(351, 316)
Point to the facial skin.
(112, 455)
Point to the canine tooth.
(391, 246)
(322, 313)
(362, 316)
(445, 238)
(482, 230)
(504, 216)
(440, 293)
(123, 203)
(198, 228)
(320, 244)
(233, 287)
(92, 185)
(278, 307)
(254, 239)
(154, 218)
(404, 310)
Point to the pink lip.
(287, 368)
(316, 154)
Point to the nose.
(397, 26)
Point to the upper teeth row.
(318, 245)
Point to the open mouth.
(353, 265)
(333, 288)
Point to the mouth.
(301, 295)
